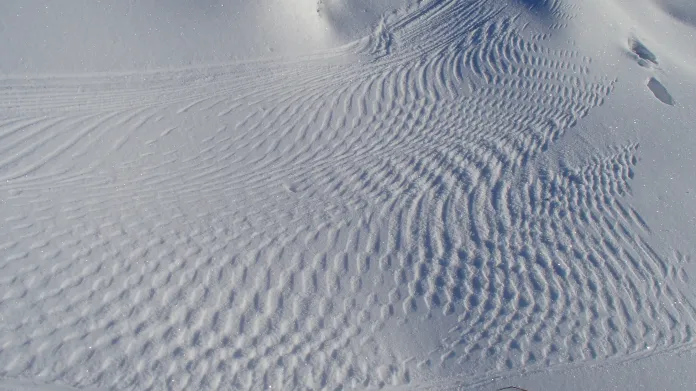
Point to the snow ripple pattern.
(324, 222)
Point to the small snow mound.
(352, 19)
(113, 35)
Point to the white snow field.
(347, 194)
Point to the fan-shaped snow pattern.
(295, 224)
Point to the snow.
(347, 194)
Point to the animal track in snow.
(660, 91)
(647, 58)
(644, 55)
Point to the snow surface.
(347, 194)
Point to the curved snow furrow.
(105, 92)
(551, 230)
(80, 135)
(423, 90)
(621, 338)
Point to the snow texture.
(432, 194)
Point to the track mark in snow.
(644, 55)
(660, 91)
